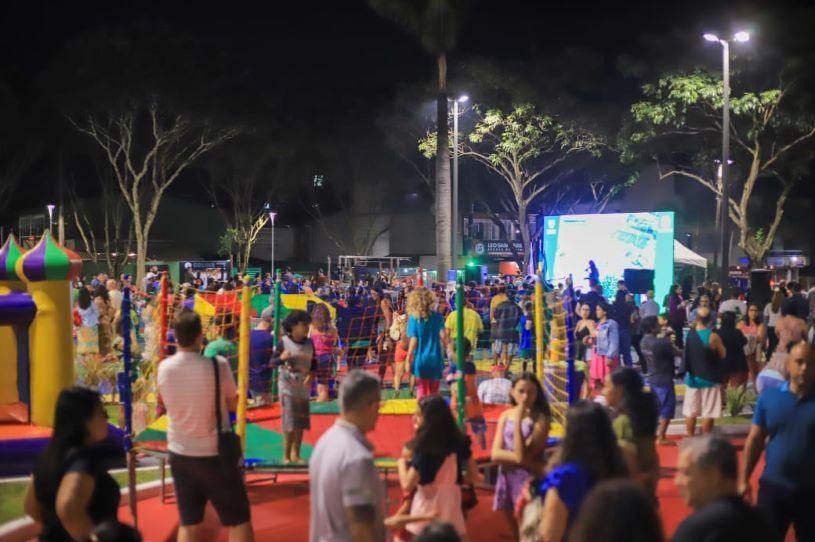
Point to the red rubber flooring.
(280, 511)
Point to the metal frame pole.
(725, 216)
(461, 388)
(454, 237)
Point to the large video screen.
(614, 242)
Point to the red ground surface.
(280, 511)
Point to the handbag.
(230, 453)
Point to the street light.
(50, 208)
(272, 215)
(724, 228)
(454, 241)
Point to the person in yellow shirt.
(472, 327)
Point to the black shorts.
(201, 479)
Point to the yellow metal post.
(243, 363)
(539, 325)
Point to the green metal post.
(461, 387)
(276, 329)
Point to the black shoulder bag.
(229, 444)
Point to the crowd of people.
(599, 482)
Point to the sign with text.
(498, 249)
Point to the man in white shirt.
(186, 384)
(115, 295)
(649, 307)
(496, 390)
(347, 495)
(734, 304)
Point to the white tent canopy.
(685, 256)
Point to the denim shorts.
(666, 396)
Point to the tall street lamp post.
(454, 237)
(272, 216)
(50, 208)
(724, 226)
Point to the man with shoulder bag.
(205, 455)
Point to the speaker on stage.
(760, 292)
(475, 273)
(639, 281)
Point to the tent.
(685, 256)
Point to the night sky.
(334, 63)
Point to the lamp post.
(454, 239)
(50, 208)
(724, 226)
(272, 216)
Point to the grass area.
(12, 493)
(724, 420)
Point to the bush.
(737, 398)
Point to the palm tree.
(436, 24)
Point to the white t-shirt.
(116, 297)
(733, 305)
(770, 317)
(186, 383)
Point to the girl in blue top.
(425, 329)
(588, 455)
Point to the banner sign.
(499, 249)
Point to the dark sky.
(334, 60)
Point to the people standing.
(347, 494)
(734, 304)
(70, 491)
(260, 353)
(783, 421)
(704, 353)
(504, 332)
(583, 331)
(425, 330)
(772, 312)
(588, 455)
(296, 362)
(706, 477)
(755, 332)
(115, 295)
(473, 326)
(87, 339)
(186, 385)
(634, 423)
(621, 313)
(440, 459)
(106, 317)
(649, 307)
(734, 367)
(659, 353)
(606, 347)
(324, 337)
(520, 440)
(676, 313)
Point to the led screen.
(614, 242)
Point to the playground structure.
(36, 344)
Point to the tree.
(116, 241)
(242, 182)
(436, 24)
(679, 124)
(531, 152)
(148, 147)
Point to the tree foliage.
(679, 123)
(530, 151)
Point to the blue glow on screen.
(615, 242)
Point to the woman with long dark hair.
(606, 340)
(635, 424)
(71, 491)
(519, 443)
(433, 465)
(587, 455)
(101, 299)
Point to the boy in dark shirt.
(659, 353)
